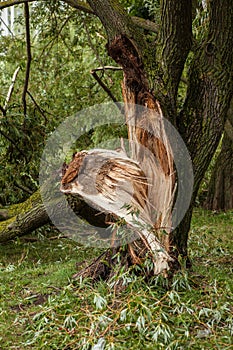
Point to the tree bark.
(210, 88)
(175, 44)
(220, 190)
(21, 219)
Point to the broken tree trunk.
(140, 190)
(143, 183)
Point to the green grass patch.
(41, 307)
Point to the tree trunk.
(21, 219)
(220, 191)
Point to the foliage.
(65, 47)
(41, 307)
(147, 9)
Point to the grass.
(41, 307)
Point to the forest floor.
(41, 307)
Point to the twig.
(38, 107)
(58, 237)
(101, 83)
(55, 288)
(29, 56)
(52, 41)
(13, 143)
(8, 28)
(3, 111)
(11, 88)
(23, 188)
(104, 68)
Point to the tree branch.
(38, 107)
(140, 22)
(8, 3)
(145, 24)
(114, 19)
(11, 88)
(82, 6)
(106, 68)
(29, 56)
(101, 83)
(13, 143)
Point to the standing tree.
(153, 70)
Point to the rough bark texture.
(220, 191)
(21, 219)
(176, 41)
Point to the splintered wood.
(143, 182)
(139, 189)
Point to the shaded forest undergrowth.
(41, 307)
